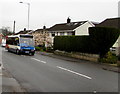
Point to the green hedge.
(102, 39)
(71, 43)
(99, 41)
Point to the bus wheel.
(17, 52)
(8, 50)
(31, 54)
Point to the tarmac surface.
(11, 85)
(8, 84)
(103, 66)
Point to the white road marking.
(43, 61)
(65, 69)
(38, 60)
(74, 72)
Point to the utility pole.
(14, 28)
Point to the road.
(41, 73)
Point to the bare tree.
(6, 31)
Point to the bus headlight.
(19, 48)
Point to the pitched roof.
(40, 30)
(23, 32)
(66, 26)
(111, 22)
(95, 23)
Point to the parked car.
(3, 44)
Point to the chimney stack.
(68, 20)
(24, 29)
(44, 27)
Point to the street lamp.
(28, 11)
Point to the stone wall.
(82, 56)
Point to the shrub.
(43, 48)
(49, 49)
(37, 48)
(40, 48)
(109, 58)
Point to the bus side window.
(9, 41)
(16, 41)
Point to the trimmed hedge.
(71, 43)
(103, 39)
(99, 41)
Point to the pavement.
(7, 83)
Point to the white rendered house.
(70, 28)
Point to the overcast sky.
(50, 12)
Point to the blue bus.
(22, 43)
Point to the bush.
(109, 58)
(37, 48)
(49, 49)
(40, 48)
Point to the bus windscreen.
(26, 41)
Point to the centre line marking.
(38, 60)
(74, 72)
(43, 61)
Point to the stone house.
(41, 37)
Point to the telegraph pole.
(14, 28)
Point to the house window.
(53, 34)
(69, 33)
(73, 33)
(57, 33)
(61, 33)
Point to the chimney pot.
(68, 20)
